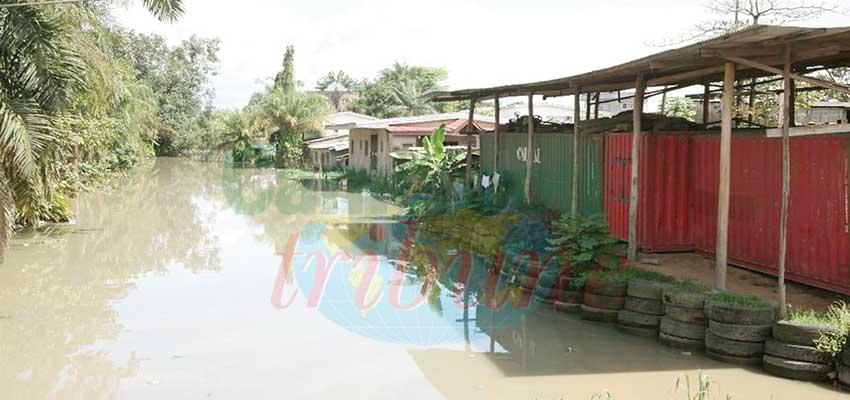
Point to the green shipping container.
(552, 169)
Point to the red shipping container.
(818, 220)
(664, 190)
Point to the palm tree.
(43, 64)
(293, 114)
(239, 130)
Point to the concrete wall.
(361, 151)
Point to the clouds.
(480, 42)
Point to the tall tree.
(398, 91)
(285, 79)
(336, 84)
(46, 58)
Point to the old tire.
(569, 296)
(645, 289)
(684, 299)
(746, 361)
(572, 308)
(637, 331)
(845, 356)
(614, 289)
(695, 316)
(604, 302)
(844, 375)
(795, 352)
(635, 319)
(799, 370)
(680, 342)
(734, 348)
(545, 300)
(731, 314)
(644, 306)
(797, 333)
(598, 314)
(741, 333)
(682, 330)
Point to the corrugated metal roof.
(693, 64)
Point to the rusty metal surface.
(664, 199)
(818, 221)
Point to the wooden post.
(664, 100)
(788, 98)
(637, 117)
(587, 107)
(706, 104)
(793, 104)
(497, 141)
(576, 152)
(469, 128)
(529, 154)
(596, 108)
(723, 188)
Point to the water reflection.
(58, 283)
(197, 281)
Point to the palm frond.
(7, 214)
(24, 132)
(165, 10)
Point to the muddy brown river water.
(195, 281)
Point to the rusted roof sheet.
(693, 64)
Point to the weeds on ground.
(810, 317)
(833, 341)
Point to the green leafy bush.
(585, 241)
(833, 341)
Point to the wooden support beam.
(529, 154)
(469, 129)
(576, 154)
(723, 188)
(788, 111)
(587, 107)
(637, 133)
(706, 104)
(776, 71)
(596, 107)
(497, 141)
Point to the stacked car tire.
(568, 295)
(603, 300)
(684, 322)
(643, 308)
(790, 352)
(736, 334)
(844, 369)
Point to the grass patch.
(810, 317)
(833, 341)
(689, 286)
(631, 274)
(738, 300)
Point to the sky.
(480, 43)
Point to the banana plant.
(432, 170)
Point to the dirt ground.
(700, 268)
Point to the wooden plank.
(777, 71)
(576, 154)
(637, 117)
(529, 154)
(706, 103)
(723, 188)
(812, 130)
(596, 107)
(469, 128)
(587, 107)
(787, 98)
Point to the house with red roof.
(370, 144)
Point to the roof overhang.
(812, 49)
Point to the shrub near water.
(833, 341)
